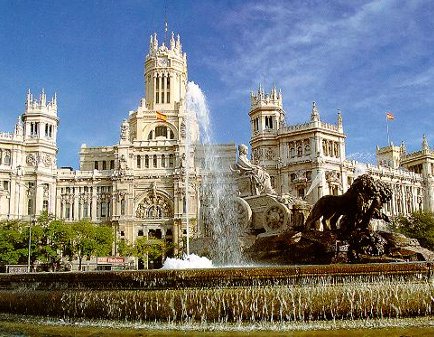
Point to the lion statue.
(361, 203)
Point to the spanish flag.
(161, 116)
(390, 116)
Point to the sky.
(363, 57)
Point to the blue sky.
(363, 57)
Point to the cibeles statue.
(258, 178)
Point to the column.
(154, 99)
(39, 195)
(76, 203)
(94, 203)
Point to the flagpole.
(387, 131)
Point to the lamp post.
(32, 221)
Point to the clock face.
(162, 62)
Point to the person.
(260, 175)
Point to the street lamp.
(32, 222)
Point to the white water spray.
(217, 188)
(217, 185)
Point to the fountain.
(270, 230)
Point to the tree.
(152, 249)
(58, 235)
(104, 239)
(419, 225)
(125, 248)
(82, 243)
(13, 247)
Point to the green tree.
(58, 235)
(82, 243)
(152, 249)
(125, 248)
(104, 239)
(419, 225)
(89, 240)
(13, 248)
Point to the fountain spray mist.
(217, 194)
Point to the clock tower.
(165, 74)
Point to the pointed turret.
(42, 98)
(340, 121)
(425, 146)
(172, 42)
(403, 148)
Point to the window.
(168, 89)
(85, 210)
(104, 209)
(104, 165)
(256, 124)
(147, 161)
(161, 131)
(268, 122)
(6, 185)
(7, 157)
(299, 151)
(123, 207)
(112, 164)
(163, 161)
(154, 161)
(138, 162)
(45, 205)
(171, 160)
(140, 232)
(96, 165)
(151, 135)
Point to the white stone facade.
(138, 184)
(308, 160)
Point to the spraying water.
(217, 193)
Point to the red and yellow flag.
(161, 116)
(390, 116)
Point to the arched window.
(7, 157)
(161, 131)
(171, 160)
(146, 161)
(163, 160)
(154, 160)
(168, 89)
(299, 151)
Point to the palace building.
(138, 185)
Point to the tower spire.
(165, 22)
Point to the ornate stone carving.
(154, 205)
(125, 131)
(260, 181)
(31, 159)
